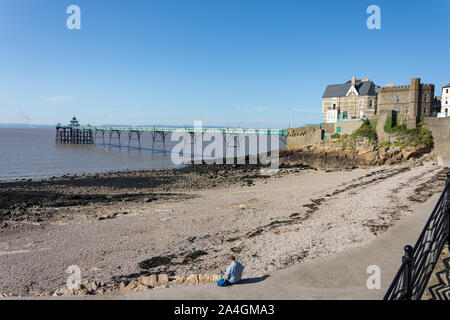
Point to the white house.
(445, 102)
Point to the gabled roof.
(364, 88)
(447, 86)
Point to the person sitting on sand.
(233, 274)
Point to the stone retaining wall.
(440, 129)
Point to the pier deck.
(76, 134)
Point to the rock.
(81, 292)
(149, 281)
(203, 278)
(191, 279)
(69, 292)
(178, 280)
(214, 278)
(407, 153)
(163, 279)
(130, 287)
(94, 286)
(101, 291)
(142, 287)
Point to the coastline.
(190, 218)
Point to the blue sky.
(226, 62)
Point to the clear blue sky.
(226, 62)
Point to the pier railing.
(76, 134)
(418, 262)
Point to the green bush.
(388, 125)
(400, 129)
(418, 137)
(335, 136)
(367, 130)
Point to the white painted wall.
(445, 102)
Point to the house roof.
(364, 88)
(447, 86)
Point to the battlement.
(427, 86)
(391, 88)
(394, 88)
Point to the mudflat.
(119, 226)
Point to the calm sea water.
(33, 154)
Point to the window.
(446, 90)
(334, 106)
(424, 110)
(398, 99)
(398, 110)
(361, 114)
(425, 98)
(361, 103)
(345, 115)
(370, 104)
(407, 110)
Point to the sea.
(32, 153)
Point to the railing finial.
(408, 250)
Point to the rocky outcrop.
(96, 287)
(163, 281)
(144, 283)
(341, 155)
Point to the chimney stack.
(353, 81)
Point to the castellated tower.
(410, 102)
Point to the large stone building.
(410, 102)
(359, 99)
(355, 99)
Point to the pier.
(77, 134)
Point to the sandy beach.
(118, 227)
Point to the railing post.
(447, 207)
(408, 259)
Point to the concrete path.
(340, 276)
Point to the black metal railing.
(418, 263)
